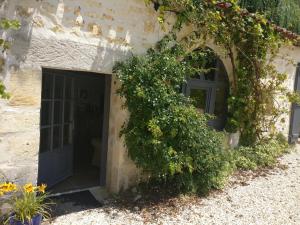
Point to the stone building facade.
(77, 35)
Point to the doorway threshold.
(56, 194)
(78, 181)
(99, 193)
(77, 201)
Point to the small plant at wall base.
(263, 154)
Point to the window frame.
(212, 87)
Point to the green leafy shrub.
(262, 154)
(165, 135)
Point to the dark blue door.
(56, 128)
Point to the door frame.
(105, 130)
(63, 151)
(106, 115)
(291, 139)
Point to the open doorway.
(74, 124)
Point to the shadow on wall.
(83, 35)
(21, 38)
(116, 27)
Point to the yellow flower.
(12, 187)
(7, 187)
(1, 193)
(42, 188)
(28, 188)
(4, 187)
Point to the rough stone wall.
(84, 35)
(286, 62)
(117, 157)
(19, 127)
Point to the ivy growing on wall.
(251, 43)
(5, 24)
(165, 135)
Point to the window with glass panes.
(56, 111)
(209, 92)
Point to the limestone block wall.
(286, 62)
(82, 35)
(117, 157)
(19, 127)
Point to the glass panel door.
(56, 112)
(56, 135)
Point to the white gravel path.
(271, 199)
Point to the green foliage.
(165, 135)
(251, 43)
(6, 24)
(285, 13)
(3, 93)
(26, 202)
(260, 155)
(9, 24)
(28, 205)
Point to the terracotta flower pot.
(36, 220)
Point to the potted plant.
(28, 203)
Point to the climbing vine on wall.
(251, 43)
(165, 135)
(5, 24)
(285, 13)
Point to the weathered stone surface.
(24, 87)
(286, 62)
(19, 119)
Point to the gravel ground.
(266, 197)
